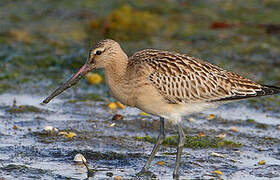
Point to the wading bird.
(165, 84)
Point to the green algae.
(250, 121)
(94, 97)
(108, 155)
(19, 169)
(88, 97)
(49, 137)
(194, 142)
(11, 167)
(262, 126)
(4, 87)
(24, 109)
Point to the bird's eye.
(98, 52)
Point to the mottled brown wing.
(184, 79)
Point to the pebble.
(218, 155)
(117, 117)
(50, 128)
(221, 136)
(234, 129)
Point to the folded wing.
(184, 79)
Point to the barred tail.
(269, 90)
(266, 90)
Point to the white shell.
(79, 158)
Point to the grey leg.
(181, 141)
(160, 139)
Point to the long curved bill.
(71, 82)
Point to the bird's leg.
(160, 139)
(181, 141)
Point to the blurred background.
(43, 42)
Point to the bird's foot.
(175, 176)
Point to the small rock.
(191, 120)
(117, 117)
(110, 174)
(233, 160)
(234, 129)
(112, 125)
(48, 128)
(62, 133)
(221, 136)
(218, 155)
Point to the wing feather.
(184, 79)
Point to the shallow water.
(242, 112)
(113, 149)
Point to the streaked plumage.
(167, 84)
(183, 79)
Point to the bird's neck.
(117, 80)
(116, 70)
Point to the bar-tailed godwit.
(166, 84)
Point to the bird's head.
(101, 55)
